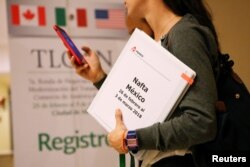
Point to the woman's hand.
(116, 137)
(92, 70)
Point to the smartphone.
(69, 44)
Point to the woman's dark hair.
(195, 7)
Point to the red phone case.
(69, 44)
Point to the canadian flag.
(28, 15)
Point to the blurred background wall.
(5, 123)
(4, 58)
(232, 20)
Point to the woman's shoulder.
(189, 25)
(186, 31)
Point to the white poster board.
(49, 100)
(49, 106)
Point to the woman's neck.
(161, 22)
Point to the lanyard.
(122, 158)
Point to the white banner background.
(49, 100)
(51, 126)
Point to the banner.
(49, 100)
(81, 18)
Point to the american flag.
(110, 18)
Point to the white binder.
(146, 83)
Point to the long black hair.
(198, 9)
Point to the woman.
(184, 27)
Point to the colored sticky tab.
(187, 78)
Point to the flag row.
(37, 15)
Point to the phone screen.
(69, 44)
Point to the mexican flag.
(28, 15)
(72, 17)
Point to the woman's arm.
(194, 121)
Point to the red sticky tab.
(187, 78)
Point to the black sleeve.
(99, 84)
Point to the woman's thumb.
(118, 118)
